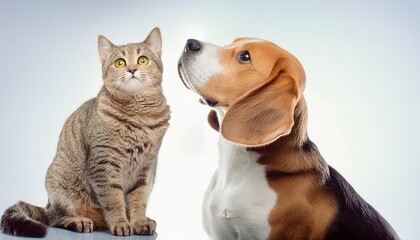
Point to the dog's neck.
(291, 154)
(294, 153)
(298, 136)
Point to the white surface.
(362, 64)
(61, 234)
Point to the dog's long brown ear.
(266, 112)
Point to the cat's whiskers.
(115, 87)
(143, 77)
(155, 89)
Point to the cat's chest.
(138, 151)
(133, 134)
(137, 135)
(140, 158)
(141, 145)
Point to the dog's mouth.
(182, 74)
(184, 78)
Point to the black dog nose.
(192, 45)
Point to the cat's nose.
(192, 45)
(132, 71)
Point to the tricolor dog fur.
(271, 182)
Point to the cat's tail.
(25, 220)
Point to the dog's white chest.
(238, 200)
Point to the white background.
(362, 65)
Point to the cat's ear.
(154, 40)
(105, 48)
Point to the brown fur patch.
(238, 78)
(304, 208)
(296, 172)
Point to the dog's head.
(255, 82)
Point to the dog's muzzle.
(180, 75)
(191, 47)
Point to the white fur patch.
(134, 83)
(238, 200)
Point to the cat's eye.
(143, 61)
(120, 63)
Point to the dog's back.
(356, 219)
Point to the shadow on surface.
(61, 234)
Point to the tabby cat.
(104, 169)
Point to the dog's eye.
(244, 57)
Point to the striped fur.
(105, 165)
(25, 220)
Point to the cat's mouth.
(135, 79)
(131, 84)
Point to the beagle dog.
(271, 182)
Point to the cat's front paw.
(77, 224)
(121, 229)
(145, 227)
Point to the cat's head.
(132, 68)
